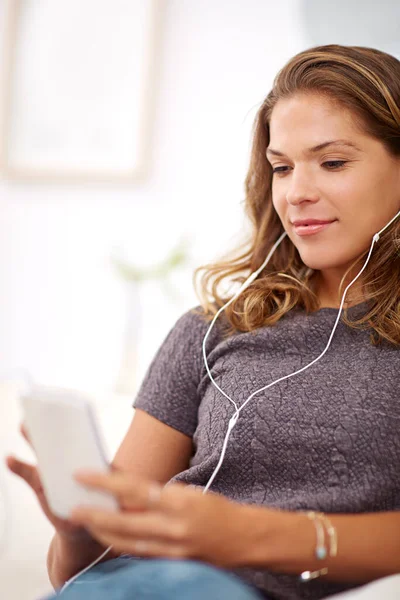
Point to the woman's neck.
(327, 290)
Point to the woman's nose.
(301, 188)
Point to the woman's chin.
(317, 265)
(322, 263)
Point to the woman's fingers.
(137, 547)
(150, 534)
(25, 433)
(148, 525)
(20, 468)
(25, 471)
(135, 494)
(131, 491)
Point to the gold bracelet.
(331, 531)
(308, 575)
(321, 551)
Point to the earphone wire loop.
(248, 281)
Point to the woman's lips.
(303, 230)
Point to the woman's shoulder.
(197, 318)
(194, 324)
(193, 319)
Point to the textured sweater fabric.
(326, 439)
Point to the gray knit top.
(327, 439)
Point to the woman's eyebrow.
(319, 147)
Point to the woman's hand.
(177, 521)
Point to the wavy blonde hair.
(367, 82)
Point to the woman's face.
(356, 187)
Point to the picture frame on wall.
(78, 89)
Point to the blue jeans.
(130, 578)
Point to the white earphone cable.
(250, 279)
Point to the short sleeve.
(169, 390)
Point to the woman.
(305, 501)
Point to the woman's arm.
(183, 522)
(149, 449)
(368, 544)
(67, 556)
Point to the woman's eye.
(279, 170)
(330, 164)
(334, 164)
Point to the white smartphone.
(66, 436)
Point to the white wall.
(62, 308)
(63, 311)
